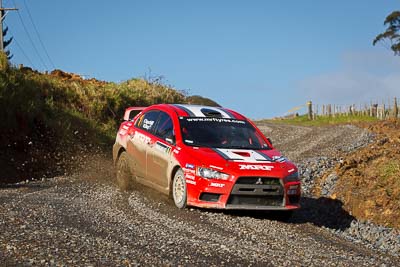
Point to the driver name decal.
(256, 167)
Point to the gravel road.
(84, 220)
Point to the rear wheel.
(179, 192)
(123, 175)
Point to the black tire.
(123, 175)
(179, 191)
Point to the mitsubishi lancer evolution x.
(202, 156)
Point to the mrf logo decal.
(255, 167)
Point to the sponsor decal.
(190, 166)
(147, 124)
(125, 127)
(191, 182)
(190, 176)
(255, 167)
(143, 138)
(176, 151)
(189, 170)
(219, 185)
(122, 132)
(220, 120)
(163, 148)
(291, 170)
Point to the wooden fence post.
(310, 113)
(374, 108)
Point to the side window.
(165, 128)
(148, 120)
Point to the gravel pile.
(310, 169)
(372, 236)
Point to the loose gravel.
(321, 157)
(84, 220)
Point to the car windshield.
(220, 133)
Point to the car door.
(160, 154)
(141, 141)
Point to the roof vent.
(211, 113)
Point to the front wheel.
(123, 174)
(179, 192)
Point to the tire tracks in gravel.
(301, 142)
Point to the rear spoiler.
(131, 112)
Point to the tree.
(392, 32)
(6, 42)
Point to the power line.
(37, 32)
(22, 50)
(30, 38)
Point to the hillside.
(49, 122)
(368, 180)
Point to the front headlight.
(294, 177)
(211, 174)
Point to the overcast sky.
(261, 58)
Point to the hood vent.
(242, 153)
(211, 113)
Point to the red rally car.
(204, 156)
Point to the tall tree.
(392, 32)
(7, 43)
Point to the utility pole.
(3, 13)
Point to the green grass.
(324, 120)
(390, 169)
(388, 176)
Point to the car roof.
(185, 110)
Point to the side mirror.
(170, 140)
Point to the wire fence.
(378, 109)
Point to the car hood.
(243, 160)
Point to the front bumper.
(249, 193)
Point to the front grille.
(257, 191)
(258, 180)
